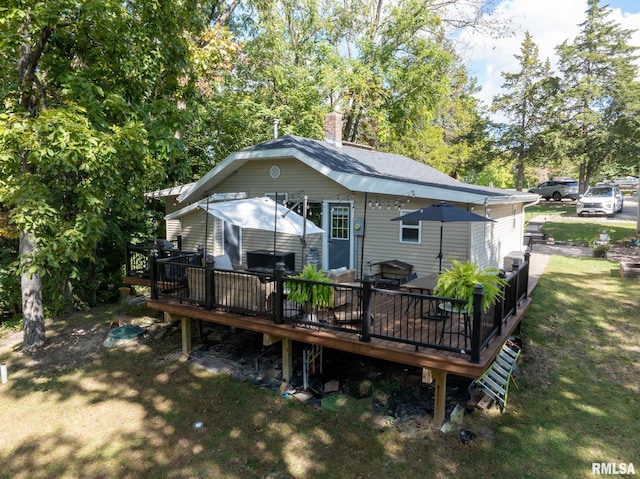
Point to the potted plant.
(599, 249)
(308, 293)
(458, 282)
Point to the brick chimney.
(333, 129)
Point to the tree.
(597, 70)
(89, 121)
(525, 106)
(452, 137)
(384, 65)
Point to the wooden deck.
(409, 354)
(403, 327)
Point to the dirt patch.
(535, 367)
(77, 339)
(394, 391)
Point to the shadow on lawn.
(83, 411)
(130, 412)
(578, 381)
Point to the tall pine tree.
(597, 69)
(525, 106)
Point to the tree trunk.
(520, 174)
(32, 310)
(32, 98)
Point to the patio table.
(421, 285)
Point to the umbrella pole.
(305, 210)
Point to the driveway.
(629, 213)
(541, 252)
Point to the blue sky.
(550, 22)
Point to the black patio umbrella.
(444, 213)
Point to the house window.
(340, 222)
(409, 230)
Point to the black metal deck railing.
(422, 321)
(137, 255)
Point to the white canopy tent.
(261, 213)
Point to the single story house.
(352, 192)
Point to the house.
(353, 193)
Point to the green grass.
(585, 233)
(550, 208)
(578, 392)
(12, 324)
(128, 412)
(573, 229)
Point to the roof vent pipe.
(276, 122)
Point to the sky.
(550, 22)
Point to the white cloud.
(550, 22)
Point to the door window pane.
(340, 222)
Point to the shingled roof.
(359, 169)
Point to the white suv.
(604, 199)
(557, 189)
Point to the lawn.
(585, 233)
(80, 410)
(551, 208)
(564, 225)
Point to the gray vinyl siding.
(194, 228)
(263, 240)
(493, 241)
(173, 228)
(193, 231)
(484, 243)
(296, 179)
(382, 239)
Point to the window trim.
(402, 227)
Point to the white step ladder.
(495, 380)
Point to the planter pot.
(599, 253)
(124, 292)
(630, 270)
(308, 312)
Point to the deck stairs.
(494, 383)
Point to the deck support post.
(440, 399)
(287, 359)
(186, 335)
